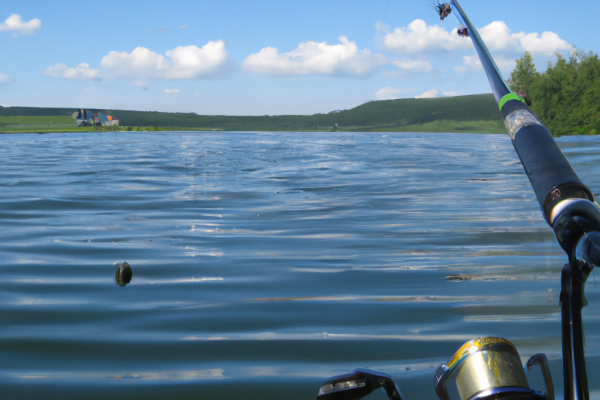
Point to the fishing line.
(458, 16)
(386, 10)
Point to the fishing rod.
(567, 204)
(489, 368)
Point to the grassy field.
(475, 113)
(449, 126)
(35, 120)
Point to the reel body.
(487, 368)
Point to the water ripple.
(265, 262)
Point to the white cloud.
(388, 93)
(4, 78)
(548, 43)
(451, 94)
(312, 58)
(473, 63)
(505, 65)
(416, 65)
(417, 37)
(428, 95)
(184, 27)
(171, 91)
(82, 72)
(183, 62)
(498, 37)
(19, 27)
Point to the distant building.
(88, 118)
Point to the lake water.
(264, 263)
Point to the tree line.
(566, 97)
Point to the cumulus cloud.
(498, 37)
(312, 58)
(415, 65)
(418, 37)
(473, 63)
(183, 62)
(15, 24)
(387, 93)
(451, 94)
(428, 95)
(505, 65)
(81, 72)
(171, 91)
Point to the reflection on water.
(269, 262)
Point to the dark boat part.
(358, 384)
(573, 341)
(576, 227)
(590, 248)
(565, 319)
(541, 360)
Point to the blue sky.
(267, 57)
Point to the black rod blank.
(552, 177)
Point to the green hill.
(475, 113)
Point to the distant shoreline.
(435, 127)
(461, 114)
(467, 114)
(476, 127)
(236, 131)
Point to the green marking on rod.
(510, 96)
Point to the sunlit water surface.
(264, 263)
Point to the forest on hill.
(474, 113)
(566, 97)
